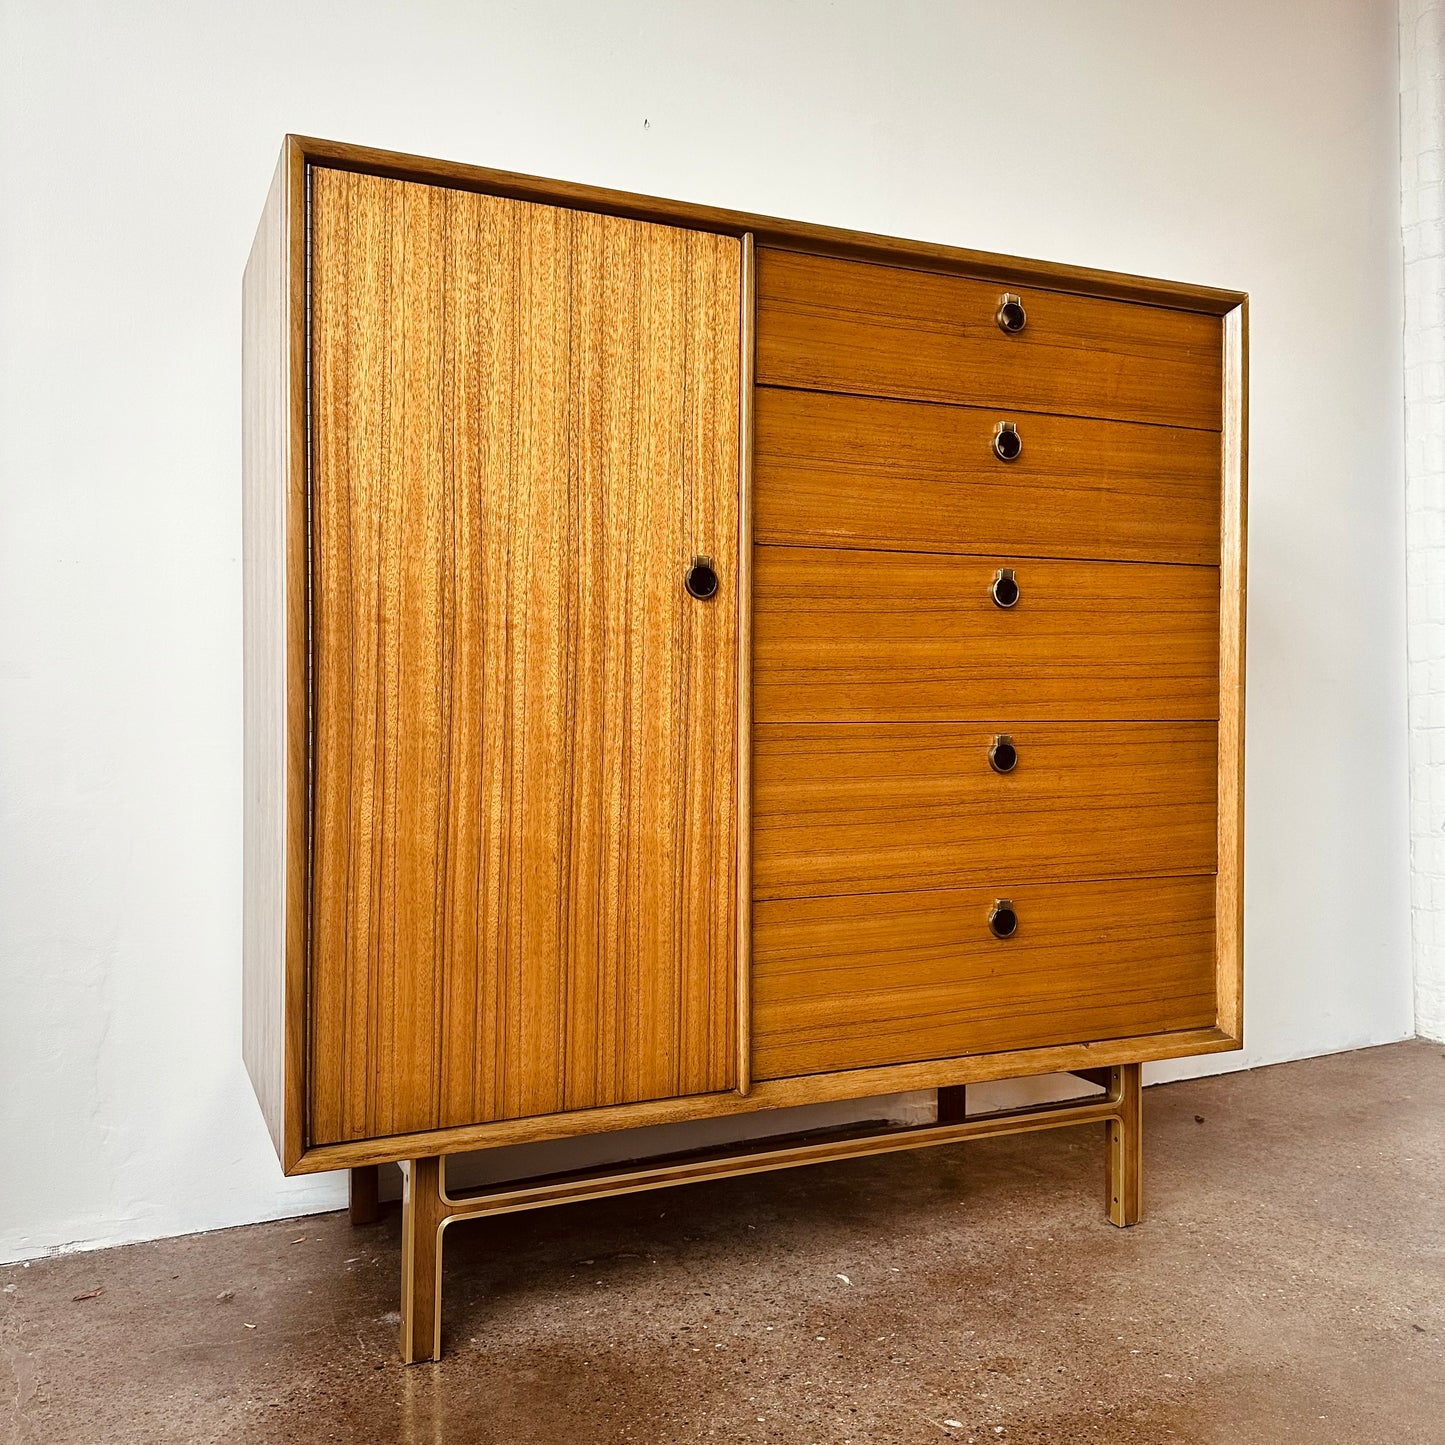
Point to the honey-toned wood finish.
(276, 977)
(853, 471)
(428, 1207)
(845, 636)
(525, 425)
(765, 1155)
(743, 993)
(424, 1216)
(768, 1094)
(1229, 903)
(860, 980)
(847, 326)
(275, 766)
(1124, 1147)
(868, 808)
(814, 239)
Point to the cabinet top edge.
(770, 230)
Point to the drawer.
(844, 636)
(826, 324)
(872, 808)
(850, 982)
(851, 471)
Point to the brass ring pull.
(1003, 922)
(1011, 316)
(701, 580)
(1007, 443)
(1005, 588)
(1003, 757)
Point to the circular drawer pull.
(1003, 922)
(1007, 443)
(701, 581)
(1011, 316)
(1003, 757)
(1005, 589)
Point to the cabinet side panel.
(525, 848)
(265, 458)
(1234, 530)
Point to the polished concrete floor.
(1287, 1287)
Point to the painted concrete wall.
(1422, 216)
(1248, 143)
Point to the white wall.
(1422, 216)
(1249, 143)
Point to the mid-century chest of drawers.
(698, 663)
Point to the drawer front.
(843, 636)
(852, 982)
(852, 471)
(870, 808)
(831, 325)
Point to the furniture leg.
(423, 1214)
(1125, 1191)
(364, 1194)
(953, 1103)
(427, 1208)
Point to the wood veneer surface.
(862, 980)
(803, 236)
(850, 636)
(853, 471)
(525, 426)
(827, 324)
(877, 807)
(1126, 470)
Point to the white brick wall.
(1422, 216)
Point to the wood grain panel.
(526, 424)
(744, 922)
(832, 325)
(798, 235)
(767, 1094)
(1234, 526)
(277, 763)
(846, 636)
(851, 471)
(849, 982)
(868, 808)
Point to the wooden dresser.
(698, 663)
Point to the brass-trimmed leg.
(364, 1194)
(426, 1208)
(423, 1213)
(1125, 1190)
(952, 1103)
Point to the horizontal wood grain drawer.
(856, 981)
(827, 324)
(853, 471)
(848, 636)
(869, 807)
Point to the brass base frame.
(427, 1208)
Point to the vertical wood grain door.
(524, 428)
